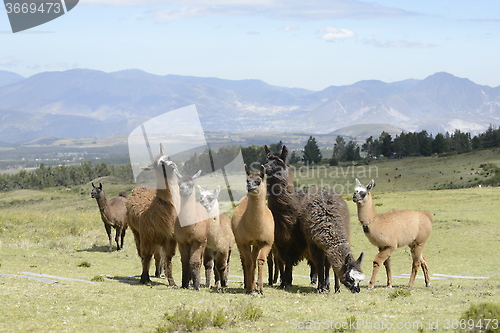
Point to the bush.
(481, 318)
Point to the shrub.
(84, 264)
(482, 318)
(399, 293)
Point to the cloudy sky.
(293, 43)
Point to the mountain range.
(91, 103)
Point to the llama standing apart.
(113, 214)
(151, 215)
(191, 231)
(316, 218)
(220, 239)
(391, 230)
(253, 228)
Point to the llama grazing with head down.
(191, 231)
(253, 228)
(113, 214)
(220, 239)
(391, 230)
(312, 224)
(151, 215)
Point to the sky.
(291, 43)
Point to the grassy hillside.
(58, 233)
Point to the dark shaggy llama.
(312, 224)
(113, 214)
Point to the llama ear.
(262, 171)
(267, 150)
(177, 173)
(247, 170)
(360, 259)
(358, 183)
(196, 175)
(370, 185)
(162, 149)
(284, 153)
(100, 186)
(93, 185)
(217, 191)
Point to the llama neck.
(281, 191)
(215, 210)
(102, 202)
(257, 201)
(187, 213)
(366, 210)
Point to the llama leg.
(157, 256)
(186, 274)
(169, 252)
(110, 238)
(137, 242)
(327, 275)
(122, 235)
(246, 263)
(387, 265)
(270, 264)
(225, 271)
(313, 274)
(195, 260)
(337, 283)
(423, 262)
(380, 258)
(279, 269)
(117, 238)
(146, 260)
(318, 262)
(416, 254)
(208, 263)
(220, 270)
(263, 252)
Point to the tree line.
(63, 175)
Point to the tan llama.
(253, 228)
(391, 230)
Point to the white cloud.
(290, 28)
(170, 10)
(56, 65)
(9, 62)
(398, 44)
(331, 34)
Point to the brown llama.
(253, 228)
(151, 215)
(191, 231)
(113, 214)
(220, 239)
(310, 224)
(390, 230)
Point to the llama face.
(186, 184)
(254, 179)
(360, 192)
(208, 198)
(96, 191)
(276, 163)
(352, 274)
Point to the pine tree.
(311, 151)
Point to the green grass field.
(58, 233)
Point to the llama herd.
(274, 222)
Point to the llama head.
(208, 198)
(186, 183)
(276, 163)
(352, 273)
(96, 191)
(255, 179)
(360, 191)
(163, 166)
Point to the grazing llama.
(191, 231)
(113, 214)
(313, 224)
(391, 230)
(220, 239)
(253, 228)
(151, 215)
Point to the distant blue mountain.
(103, 104)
